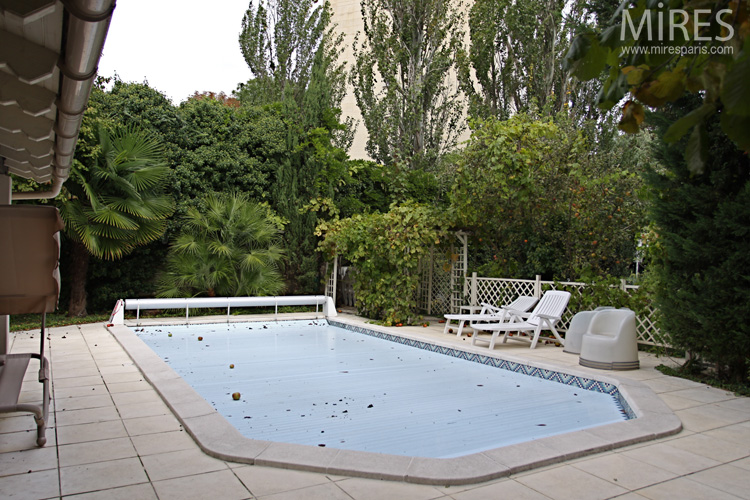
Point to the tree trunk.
(79, 266)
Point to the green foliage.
(227, 248)
(129, 277)
(280, 40)
(365, 189)
(514, 62)
(703, 251)
(386, 249)
(400, 79)
(606, 290)
(539, 203)
(711, 59)
(32, 322)
(223, 148)
(130, 104)
(117, 202)
(739, 389)
(293, 54)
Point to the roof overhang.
(49, 56)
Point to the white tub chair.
(578, 326)
(611, 341)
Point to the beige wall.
(348, 18)
(347, 15)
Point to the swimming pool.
(219, 439)
(319, 384)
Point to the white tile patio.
(111, 437)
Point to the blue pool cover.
(310, 383)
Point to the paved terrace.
(111, 437)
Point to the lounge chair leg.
(535, 339)
(447, 326)
(460, 327)
(493, 339)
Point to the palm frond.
(221, 242)
(122, 204)
(147, 176)
(107, 232)
(106, 215)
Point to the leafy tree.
(113, 202)
(223, 148)
(282, 41)
(227, 248)
(538, 202)
(385, 250)
(658, 51)
(133, 104)
(513, 56)
(515, 60)
(702, 252)
(401, 80)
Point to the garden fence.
(445, 286)
(441, 292)
(503, 290)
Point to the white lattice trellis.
(434, 293)
(459, 263)
(332, 278)
(503, 290)
(498, 290)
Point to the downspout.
(6, 188)
(88, 23)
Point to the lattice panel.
(497, 291)
(648, 332)
(502, 291)
(331, 280)
(458, 278)
(441, 284)
(423, 292)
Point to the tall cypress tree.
(703, 267)
(292, 51)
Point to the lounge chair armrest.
(490, 307)
(520, 314)
(548, 317)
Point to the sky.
(178, 46)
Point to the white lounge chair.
(545, 316)
(490, 313)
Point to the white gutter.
(88, 23)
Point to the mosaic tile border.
(551, 375)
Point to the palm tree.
(114, 203)
(228, 249)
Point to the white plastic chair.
(490, 313)
(545, 316)
(611, 341)
(578, 326)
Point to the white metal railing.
(322, 304)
